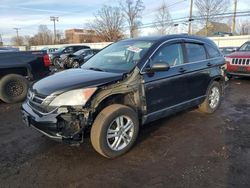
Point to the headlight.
(77, 97)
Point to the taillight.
(46, 60)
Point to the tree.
(208, 10)
(132, 10)
(43, 37)
(244, 28)
(163, 20)
(108, 24)
(17, 41)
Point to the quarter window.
(195, 52)
(212, 51)
(171, 54)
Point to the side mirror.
(157, 67)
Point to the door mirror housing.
(158, 67)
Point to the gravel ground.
(189, 149)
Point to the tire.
(56, 63)
(75, 64)
(107, 121)
(229, 76)
(213, 99)
(13, 88)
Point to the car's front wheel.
(115, 130)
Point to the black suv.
(55, 56)
(124, 86)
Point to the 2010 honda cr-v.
(127, 84)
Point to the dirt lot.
(189, 149)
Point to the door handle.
(181, 70)
(209, 64)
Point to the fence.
(231, 40)
(99, 45)
(220, 41)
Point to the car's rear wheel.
(213, 99)
(115, 130)
(13, 88)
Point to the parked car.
(16, 69)
(238, 63)
(76, 59)
(8, 49)
(228, 50)
(50, 50)
(55, 56)
(126, 85)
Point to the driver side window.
(171, 54)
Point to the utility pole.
(190, 18)
(54, 19)
(17, 30)
(1, 40)
(17, 35)
(234, 16)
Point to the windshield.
(120, 57)
(245, 47)
(60, 49)
(79, 52)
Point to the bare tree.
(208, 10)
(43, 37)
(108, 24)
(244, 28)
(17, 41)
(163, 20)
(133, 13)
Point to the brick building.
(80, 35)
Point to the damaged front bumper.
(52, 124)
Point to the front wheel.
(114, 131)
(75, 64)
(213, 99)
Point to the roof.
(214, 27)
(169, 37)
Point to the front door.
(166, 89)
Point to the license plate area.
(242, 69)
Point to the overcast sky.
(29, 14)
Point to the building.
(80, 35)
(214, 28)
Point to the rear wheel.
(213, 99)
(13, 88)
(114, 131)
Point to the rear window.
(212, 52)
(195, 52)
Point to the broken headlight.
(78, 97)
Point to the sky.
(29, 14)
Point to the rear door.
(199, 68)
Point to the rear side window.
(212, 52)
(171, 54)
(195, 52)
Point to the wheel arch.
(220, 79)
(126, 99)
(23, 71)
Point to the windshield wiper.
(95, 69)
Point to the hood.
(239, 54)
(73, 79)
